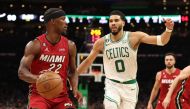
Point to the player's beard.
(118, 30)
(169, 67)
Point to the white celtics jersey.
(120, 60)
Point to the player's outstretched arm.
(32, 49)
(155, 90)
(159, 40)
(73, 75)
(98, 46)
(185, 73)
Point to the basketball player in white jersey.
(120, 60)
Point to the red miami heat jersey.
(166, 80)
(52, 57)
(182, 97)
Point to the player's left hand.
(169, 23)
(79, 96)
(166, 102)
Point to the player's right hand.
(166, 102)
(43, 71)
(149, 106)
(169, 23)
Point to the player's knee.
(110, 104)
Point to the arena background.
(20, 22)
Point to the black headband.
(53, 15)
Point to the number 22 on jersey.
(55, 67)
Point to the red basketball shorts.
(37, 101)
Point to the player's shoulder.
(99, 44)
(70, 42)
(186, 69)
(33, 47)
(99, 41)
(37, 41)
(33, 43)
(159, 73)
(72, 46)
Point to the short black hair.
(117, 12)
(170, 54)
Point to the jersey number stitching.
(53, 65)
(120, 67)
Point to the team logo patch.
(124, 41)
(67, 104)
(107, 42)
(62, 49)
(47, 50)
(44, 44)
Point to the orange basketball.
(49, 85)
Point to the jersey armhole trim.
(105, 41)
(128, 35)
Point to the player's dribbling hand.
(169, 23)
(166, 102)
(149, 106)
(78, 95)
(43, 71)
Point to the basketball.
(49, 85)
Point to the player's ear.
(52, 21)
(123, 23)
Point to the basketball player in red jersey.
(181, 94)
(54, 52)
(164, 78)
